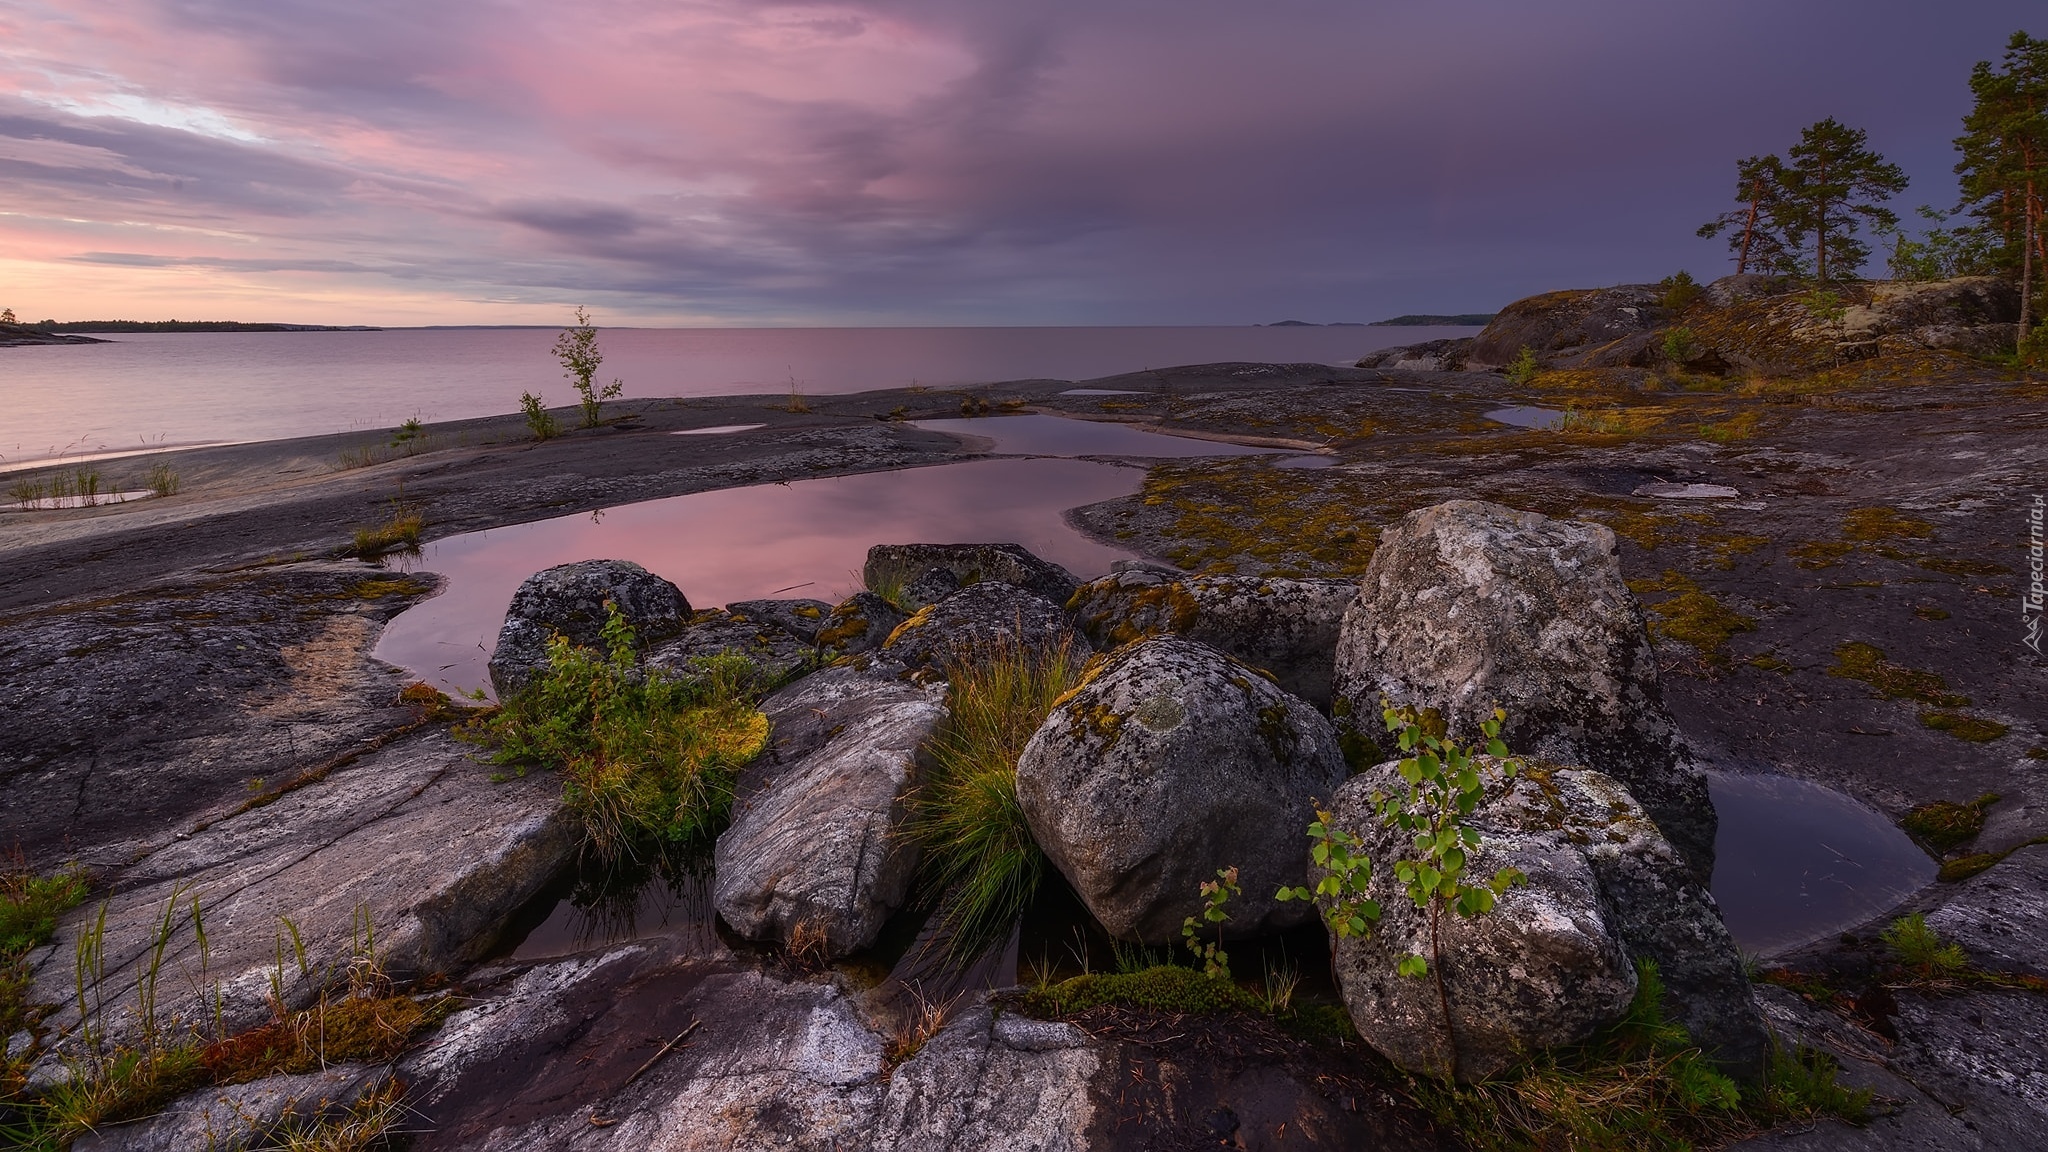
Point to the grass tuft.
(978, 852)
(401, 533)
(1945, 825)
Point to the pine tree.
(1831, 184)
(1756, 230)
(2004, 168)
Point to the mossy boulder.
(898, 564)
(800, 618)
(1558, 326)
(980, 618)
(1169, 762)
(1287, 627)
(776, 656)
(1555, 958)
(858, 623)
(1469, 606)
(570, 599)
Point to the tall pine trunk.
(2030, 236)
(1756, 201)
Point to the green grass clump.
(648, 761)
(401, 533)
(1945, 825)
(1639, 1084)
(1167, 988)
(979, 857)
(162, 480)
(30, 905)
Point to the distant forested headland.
(186, 326)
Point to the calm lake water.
(148, 390)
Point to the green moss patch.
(1247, 516)
(1930, 612)
(1690, 615)
(1866, 662)
(1945, 825)
(1820, 553)
(1872, 524)
(1964, 726)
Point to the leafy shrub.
(1679, 291)
(1681, 345)
(647, 760)
(1524, 367)
(539, 421)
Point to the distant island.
(1419, 320)
(187, 326)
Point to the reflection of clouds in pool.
(809, 537)
(1528, 416)
(717, 430)
(1796, 862)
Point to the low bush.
(649, 761)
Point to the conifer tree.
(2004, 168)
(1756, 230)
(1831, 183)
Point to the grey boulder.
(569, 599)
(773, 655)
(980, 618)
(1287, 627)
(1170, 762)
(1468, 605)
(815, 846)
(1555, 958)
(858, 624)
(971, 563)
(799, 618)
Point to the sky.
(919, 162)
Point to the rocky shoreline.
(198, 707)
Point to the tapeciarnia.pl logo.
(2031, 601)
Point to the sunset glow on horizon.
(916, 162)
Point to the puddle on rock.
(1102, 392)
(1039, 435)
(556, 925)
(46, 503)
(1796, 862)
(806, 538)
(1306, 462)
(1528, 416)
(717, 430)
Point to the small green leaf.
(1413, 965)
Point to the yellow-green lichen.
(1963, 726)
(1856, 660)
(1690, 615)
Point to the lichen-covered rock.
(860, 622)
(1170, 762)
(776, 656)
(1467, 606)
(934, 585)
(994, 1083)
(1428, 356)
(1556, 956)
(972, 563)
(569, 599)
(800, 618)
(814, 843)
(1558, 324)
(1287, 627)
(979, 618)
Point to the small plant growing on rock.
(1524, 367)
(1346, 876)
(1680, 345)
(1922, 950)
(539, 421)
(576, 347)
(1680, 290)
(1216, 895)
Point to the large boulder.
(1287, 627)
(859, 623)
(984, 617)
(1170, 762)
(1556, 325)
(800, 618)
(1555, 958)
(814, 846)
(902, 564)
(569, 599)
(774, 655)
(1467, 606)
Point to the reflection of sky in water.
(1796, 862)
(1040, 435)
(1526, 416)
(807, 538)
